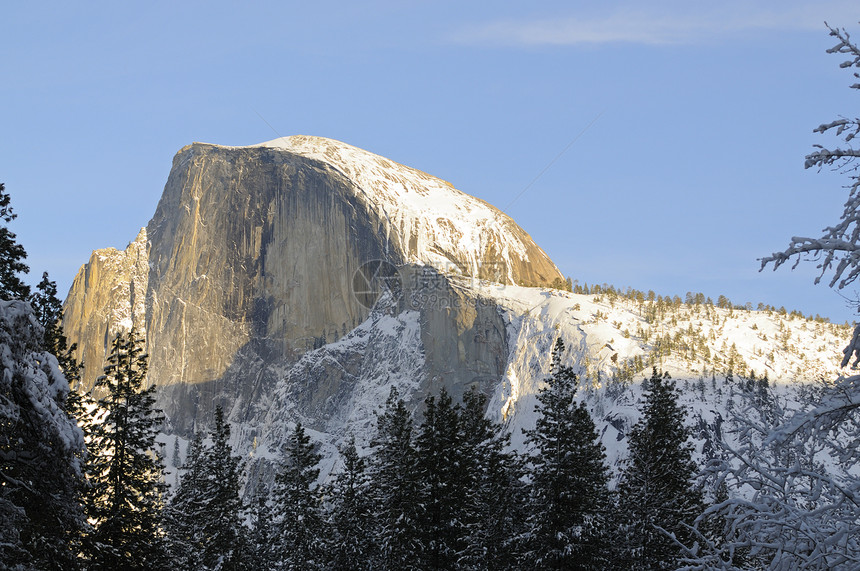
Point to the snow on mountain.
(383, 352)
(614, 341)
(437, 224)
(605, 339)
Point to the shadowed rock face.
(248, 264)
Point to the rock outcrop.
(107, 295)
(251, 261)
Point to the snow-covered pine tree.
(350, 515)
(658, 497)
(49, 311)
(569, 499)
(394, 487)
(40, 445)
(185, 539)
(12, 254)
(263, 548)
(124, 466)
(205, 515)
(40, 449)
(301, 533)
(221, 524)
(494, 508)
(444, 486)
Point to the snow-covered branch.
(841, 126)
(845, 46)
(796, 489)
(837, 251)
(853, 349)
(828, 157)
(840, 244)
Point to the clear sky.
(685, 123)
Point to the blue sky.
(685, 123)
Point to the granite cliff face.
(108, 294)
(250, 262)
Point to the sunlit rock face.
(250, 263)
(108, 293)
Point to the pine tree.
(394, 486)
(124, 466)
(12, 255)
(494, 506)
(222, 521)
(443, 485)
(40, 446)
(177, 458)
(658, 496)
(298, 505)
(351, 512)
(49, 311)
(569, 496)
(205, 515)
(185, 539)
(262, 547)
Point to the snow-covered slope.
(614, 342)
(605, 336)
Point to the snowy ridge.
(434, 222)
(603, 336)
